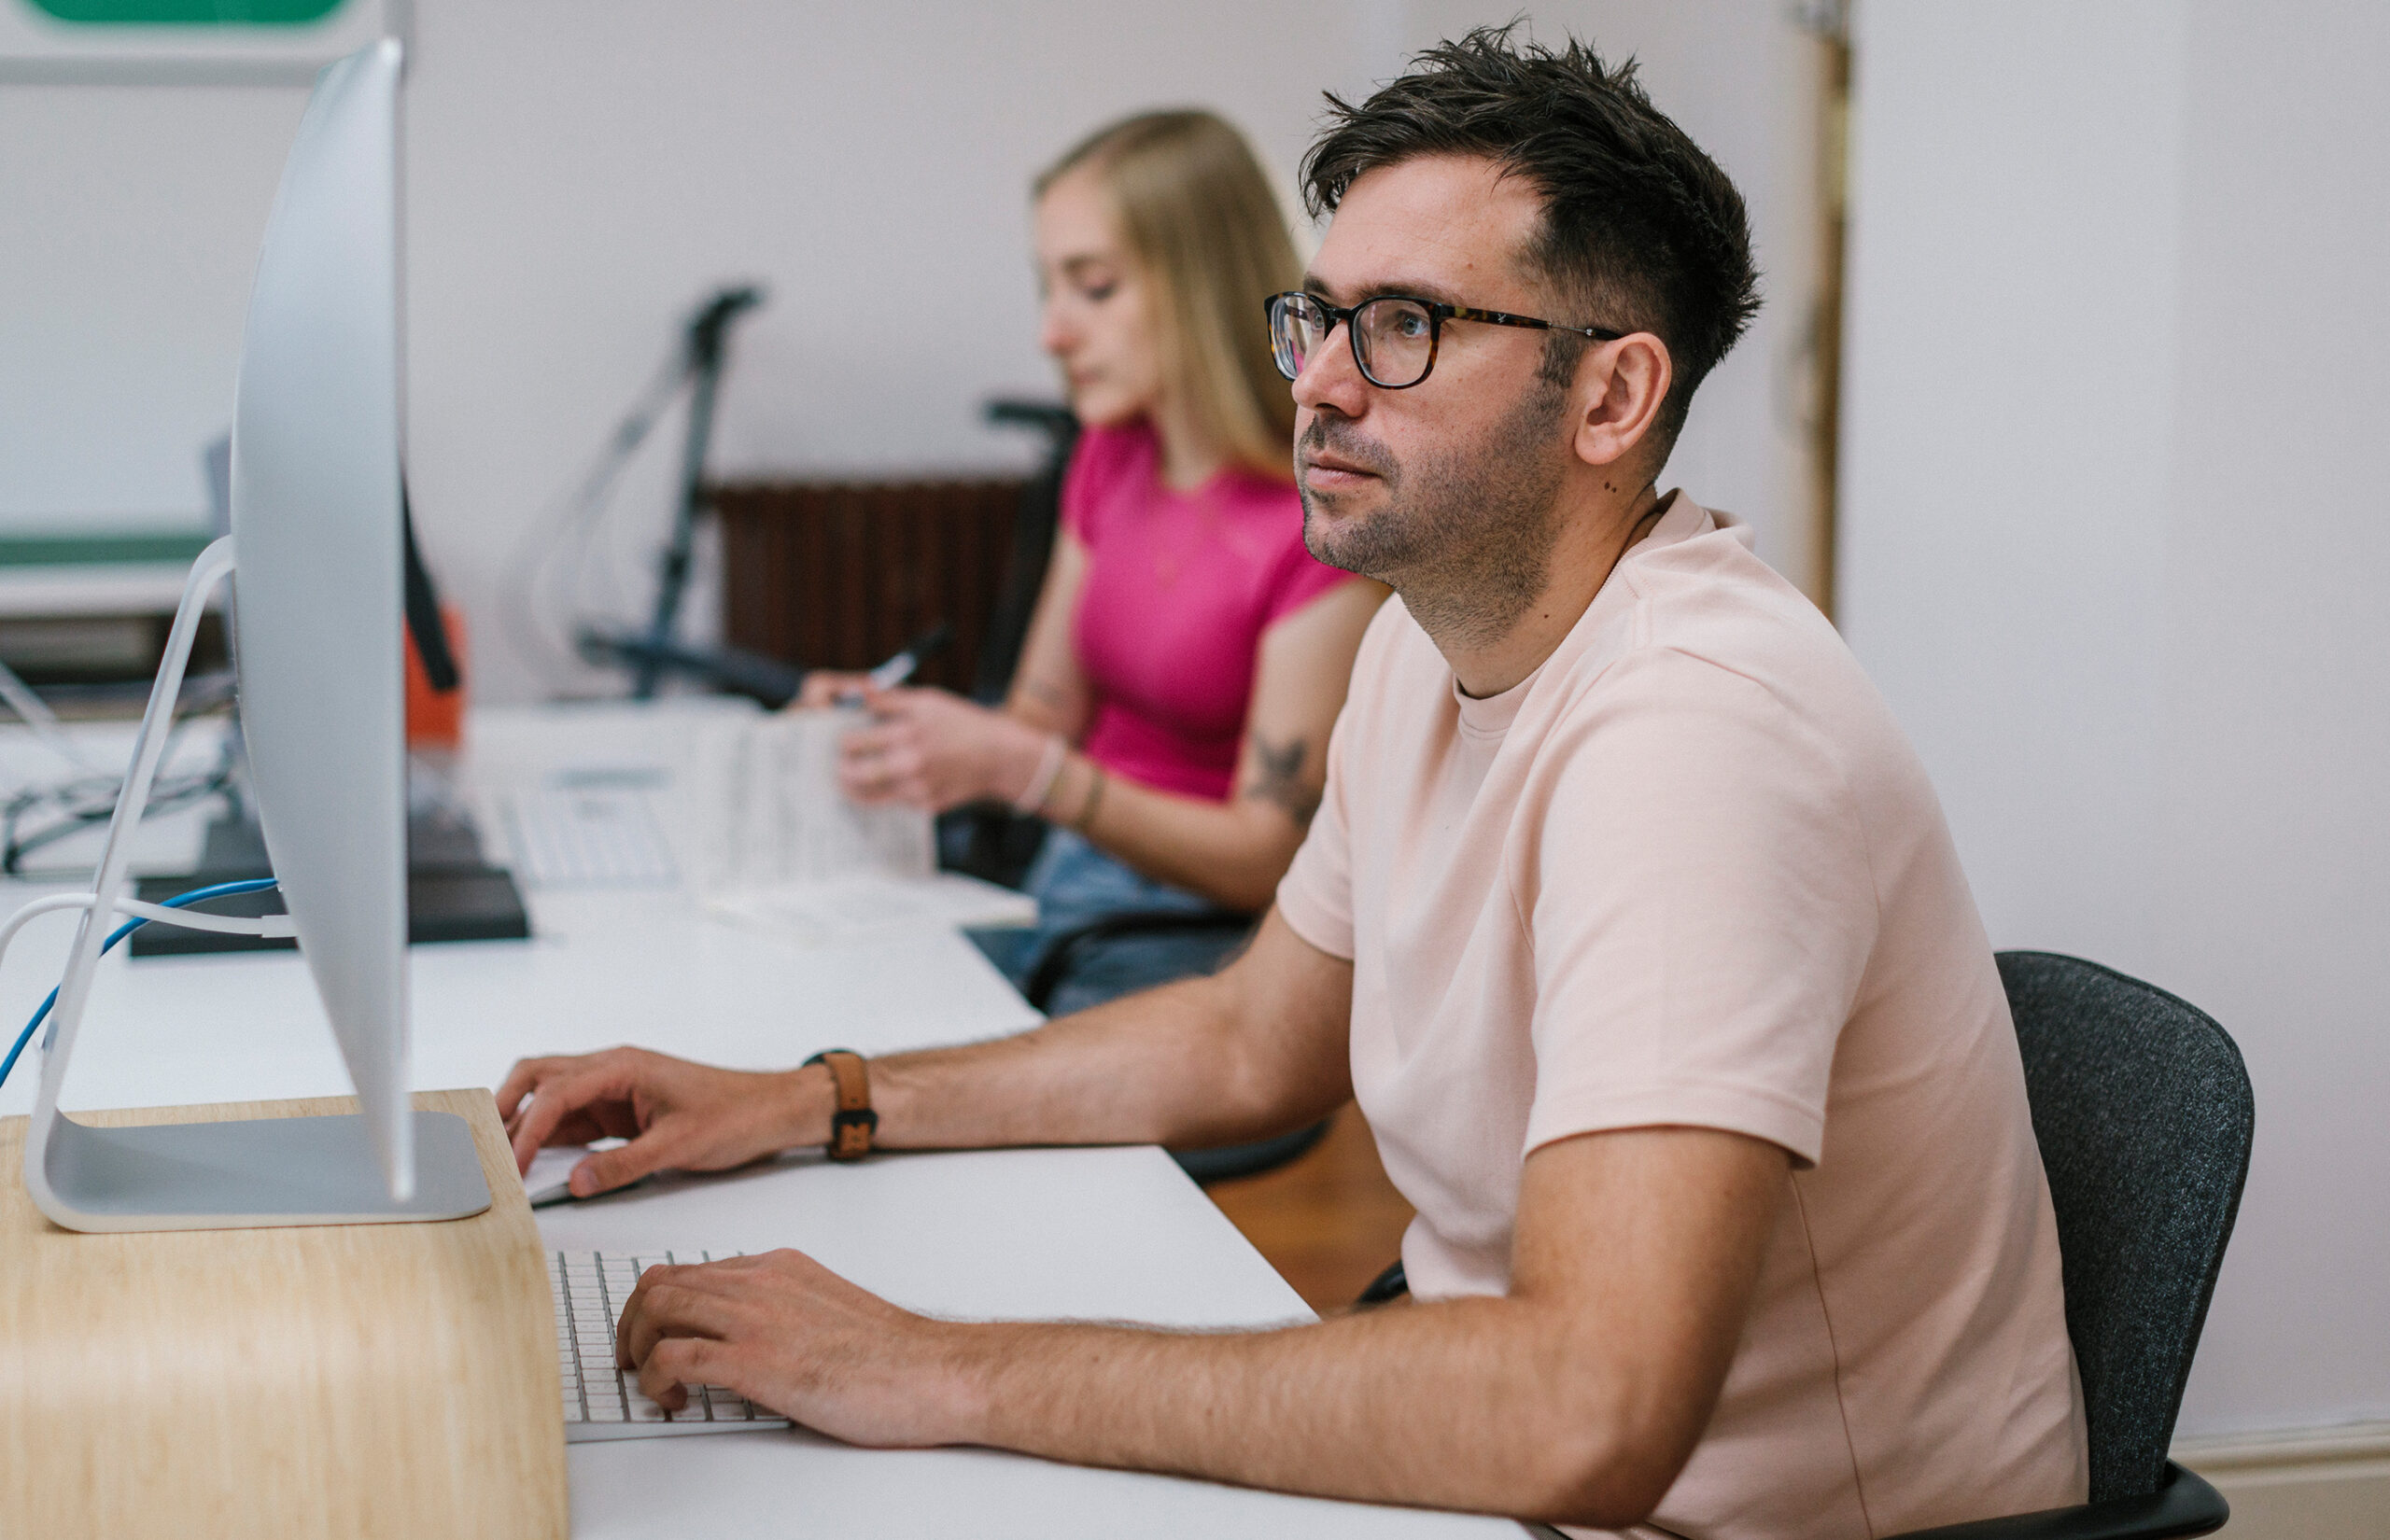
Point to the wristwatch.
(853, 1124)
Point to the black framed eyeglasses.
(1394, 336)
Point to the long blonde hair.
(1196, 210)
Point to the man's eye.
(1410, 325)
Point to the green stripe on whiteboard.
(190, 13)
(77, 549)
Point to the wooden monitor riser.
(355, 1381)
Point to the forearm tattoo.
(1279, 778)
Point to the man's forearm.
(1162, 1067)
(1245, 1053)
(1149, 1068)
(1464, 1404)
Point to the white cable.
(272, 926)
(40, 906)
(266, 925)
(276, 926)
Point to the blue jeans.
(1074, 883)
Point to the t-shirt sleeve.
(1096, 463)
(1702, 908)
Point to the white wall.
(2113, 536)
(578, 172)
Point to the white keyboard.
(585, 838)
(600, 1400)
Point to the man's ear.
(1620, 390)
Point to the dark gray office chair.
(2144, 1113)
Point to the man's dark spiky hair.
(1640, 229)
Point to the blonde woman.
(1171, 711)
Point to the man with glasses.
(1629, 917)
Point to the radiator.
(840, 575)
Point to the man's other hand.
(790, 1335)
(676, 1115)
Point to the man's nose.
(1330, 378)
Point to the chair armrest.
(1388, 1286)
(2182, 1504)
(1061, 952)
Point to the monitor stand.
(255, 1172)
(217, 1175)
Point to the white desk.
(1116, 1234)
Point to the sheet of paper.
(769, 812)
(779, 847)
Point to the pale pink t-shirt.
(1180, 586)
(1690, 873)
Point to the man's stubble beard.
(1467, 537)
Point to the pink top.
(1690, 873)
(1180, 586)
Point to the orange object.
(436, 719)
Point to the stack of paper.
(780, 847)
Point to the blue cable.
(254, 885)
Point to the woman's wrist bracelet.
(1094, 798)
(1031, 800)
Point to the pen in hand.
(900, 667)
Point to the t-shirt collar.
(1491, 716)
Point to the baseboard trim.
(2312, 1483)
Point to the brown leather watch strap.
(853, 1124)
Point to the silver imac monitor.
(315, 554)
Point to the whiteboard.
(284, 41)
(134, 218)
(137, 165)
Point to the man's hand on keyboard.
(790, 1335)
(677, 1115)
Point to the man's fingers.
(607, 1169)
(560, 1096)
(535, 1121)
(684, 1306)
(519, 1083)
(683, 1361)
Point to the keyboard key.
(585, 838)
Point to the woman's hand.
(934, 749)
(824, 688)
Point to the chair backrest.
(2142, 1111)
